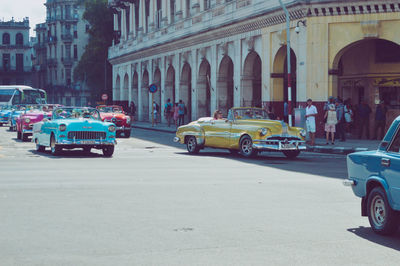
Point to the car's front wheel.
(246, 147)
(191, 145)
(382, 218)
(127, 133)
(55, 149)
(291, 154)
(108, 151)
(39, 147)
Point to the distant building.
(15, 53)
(61, 41)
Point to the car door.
(217, 133)
(390, 165)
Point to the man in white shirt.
(311, 113)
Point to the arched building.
(219, 54)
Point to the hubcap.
(378, 211)
(191, 144)
(247, 146)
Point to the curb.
(155, 129)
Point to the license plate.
(288, 146)
(87, 142)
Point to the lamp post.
(289, 89)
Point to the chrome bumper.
(86, 142)
(123, 128)
(349, 182)
(279, 145)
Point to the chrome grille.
(283, 138)
(86, 135)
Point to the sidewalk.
(340, 147)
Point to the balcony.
(67, 37)
(68, 62)
(14, 46)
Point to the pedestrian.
(168, 111)
(380, 120)
(176, 114)
(311, 113)
(270, 113)
(155, 111)
(132, 109)
(340, 126)
(363, 118)
(331, 100)
(330, 119)
(181, 112)
(286, 112)
(348, 116)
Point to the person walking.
(330, 125)
(155, 112)
(363, 119)
(340, 127)
(348, 116)
(168, 111)
(132, 109)
(380, 120)
(176, 114)
(286, 112)
(311, 113)
(181, 112)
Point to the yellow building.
(219, 54)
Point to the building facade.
(15, 53)
(61, 41)
(218, 54)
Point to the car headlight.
(27, 120)
(111, 128)
(62, 127)
(303, 133)
(263, 131)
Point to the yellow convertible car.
(246, 130)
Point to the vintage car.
(246, 130)
(375, 177)
(116, 115)
(5, 114)
(74, 127)
(17, 111)
(30, 116)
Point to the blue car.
(74, 127)
(375, 177)
(5, 114)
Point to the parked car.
(31, 116)
(5, 114)
(75, 127)
(374, 176)
(15, 114)
(246, 130)
(116, 115)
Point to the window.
(6, 62)
(395, 145)
(391, 96)
(19, 62)
(68, 76)
(207, 4)
(19, 39)
(68, 51)
(172, 10)
(188, 7)
(75, 51)
(6, 38)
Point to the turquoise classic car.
(5, 114)
(74, 127)
(375, 177)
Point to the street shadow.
(65, 154)
(367, 233)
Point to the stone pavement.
(340, 147)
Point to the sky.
(19, 9)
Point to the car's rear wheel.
(39, 147)
(108, 151)
(55, 149)
(382, 218)
(246, 147)
(191, 145)
(127, 133)
(291, 154)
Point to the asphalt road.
(153, 204)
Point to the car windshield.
(76, 113)
(247, 113)
(110, 109)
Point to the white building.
(15, 53)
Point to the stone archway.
(170, 84)
(135, 89)
(203, 90)
(368, 71)
(225, 85)
(251, 80)
(145, 95)
(185, 90)
(117, 89)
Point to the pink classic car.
(33, 115)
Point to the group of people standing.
(341, 118)
(175, 112)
